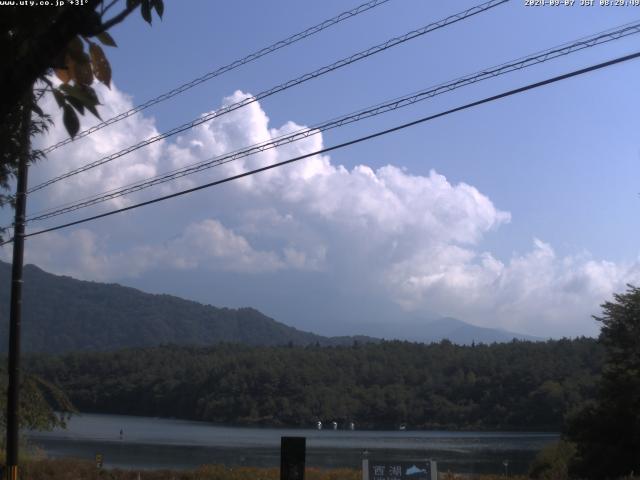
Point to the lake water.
(168, 443)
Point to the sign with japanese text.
(385, 470)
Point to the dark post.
(292, 457)
(16, 296)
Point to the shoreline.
(279, 426)
(153, 443)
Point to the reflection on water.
(166, 443)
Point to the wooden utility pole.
(15, 315)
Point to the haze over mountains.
(64, 314)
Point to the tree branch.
(106, 9)
(117, 19)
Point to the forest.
(512, 386)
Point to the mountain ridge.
(63, 314)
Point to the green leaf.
(93, 110)
(85, 94)
(145, 10)
(71, 122)
(106, 39)
(77, 104)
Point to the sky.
(521, 214)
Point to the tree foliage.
(607, 430)
(36, 41)
(552, 462)
(62, 314)
(43, 405)
(518, 385)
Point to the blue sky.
(574, 145)
(535, 196)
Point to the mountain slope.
(64, 314)
(429, 330)
(465, 333)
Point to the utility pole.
(15, 315)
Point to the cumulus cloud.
(537, 292)
(209, 244)
(136, 166)
(412, 239)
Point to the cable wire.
(521, 63)
(508, 93)
(224, 69)
(284, 86)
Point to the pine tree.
(607, 431)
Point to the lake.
(168, 443)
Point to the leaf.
(101, 67)
(75, 46)
(74, 53)
(37, 109)
(71, 66)
(80, 71)
(106, 39)
(57, 94)
(85, 94)
(63, 74)
(131, 4)
(159, 6)
(77, 104)
(83, 73)
(71, 122)
(145, 10)
(93, 110)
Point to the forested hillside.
(62, 314)
(517, 385)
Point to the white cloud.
(135, 166)
(207, 244)
(537, 292)
(409, 238)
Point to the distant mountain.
(460, 332)
(426, 329)
(62, 314)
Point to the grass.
(71, 469)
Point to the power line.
(346, 144)
(284, 86)
(224, 69)
(523, 62)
